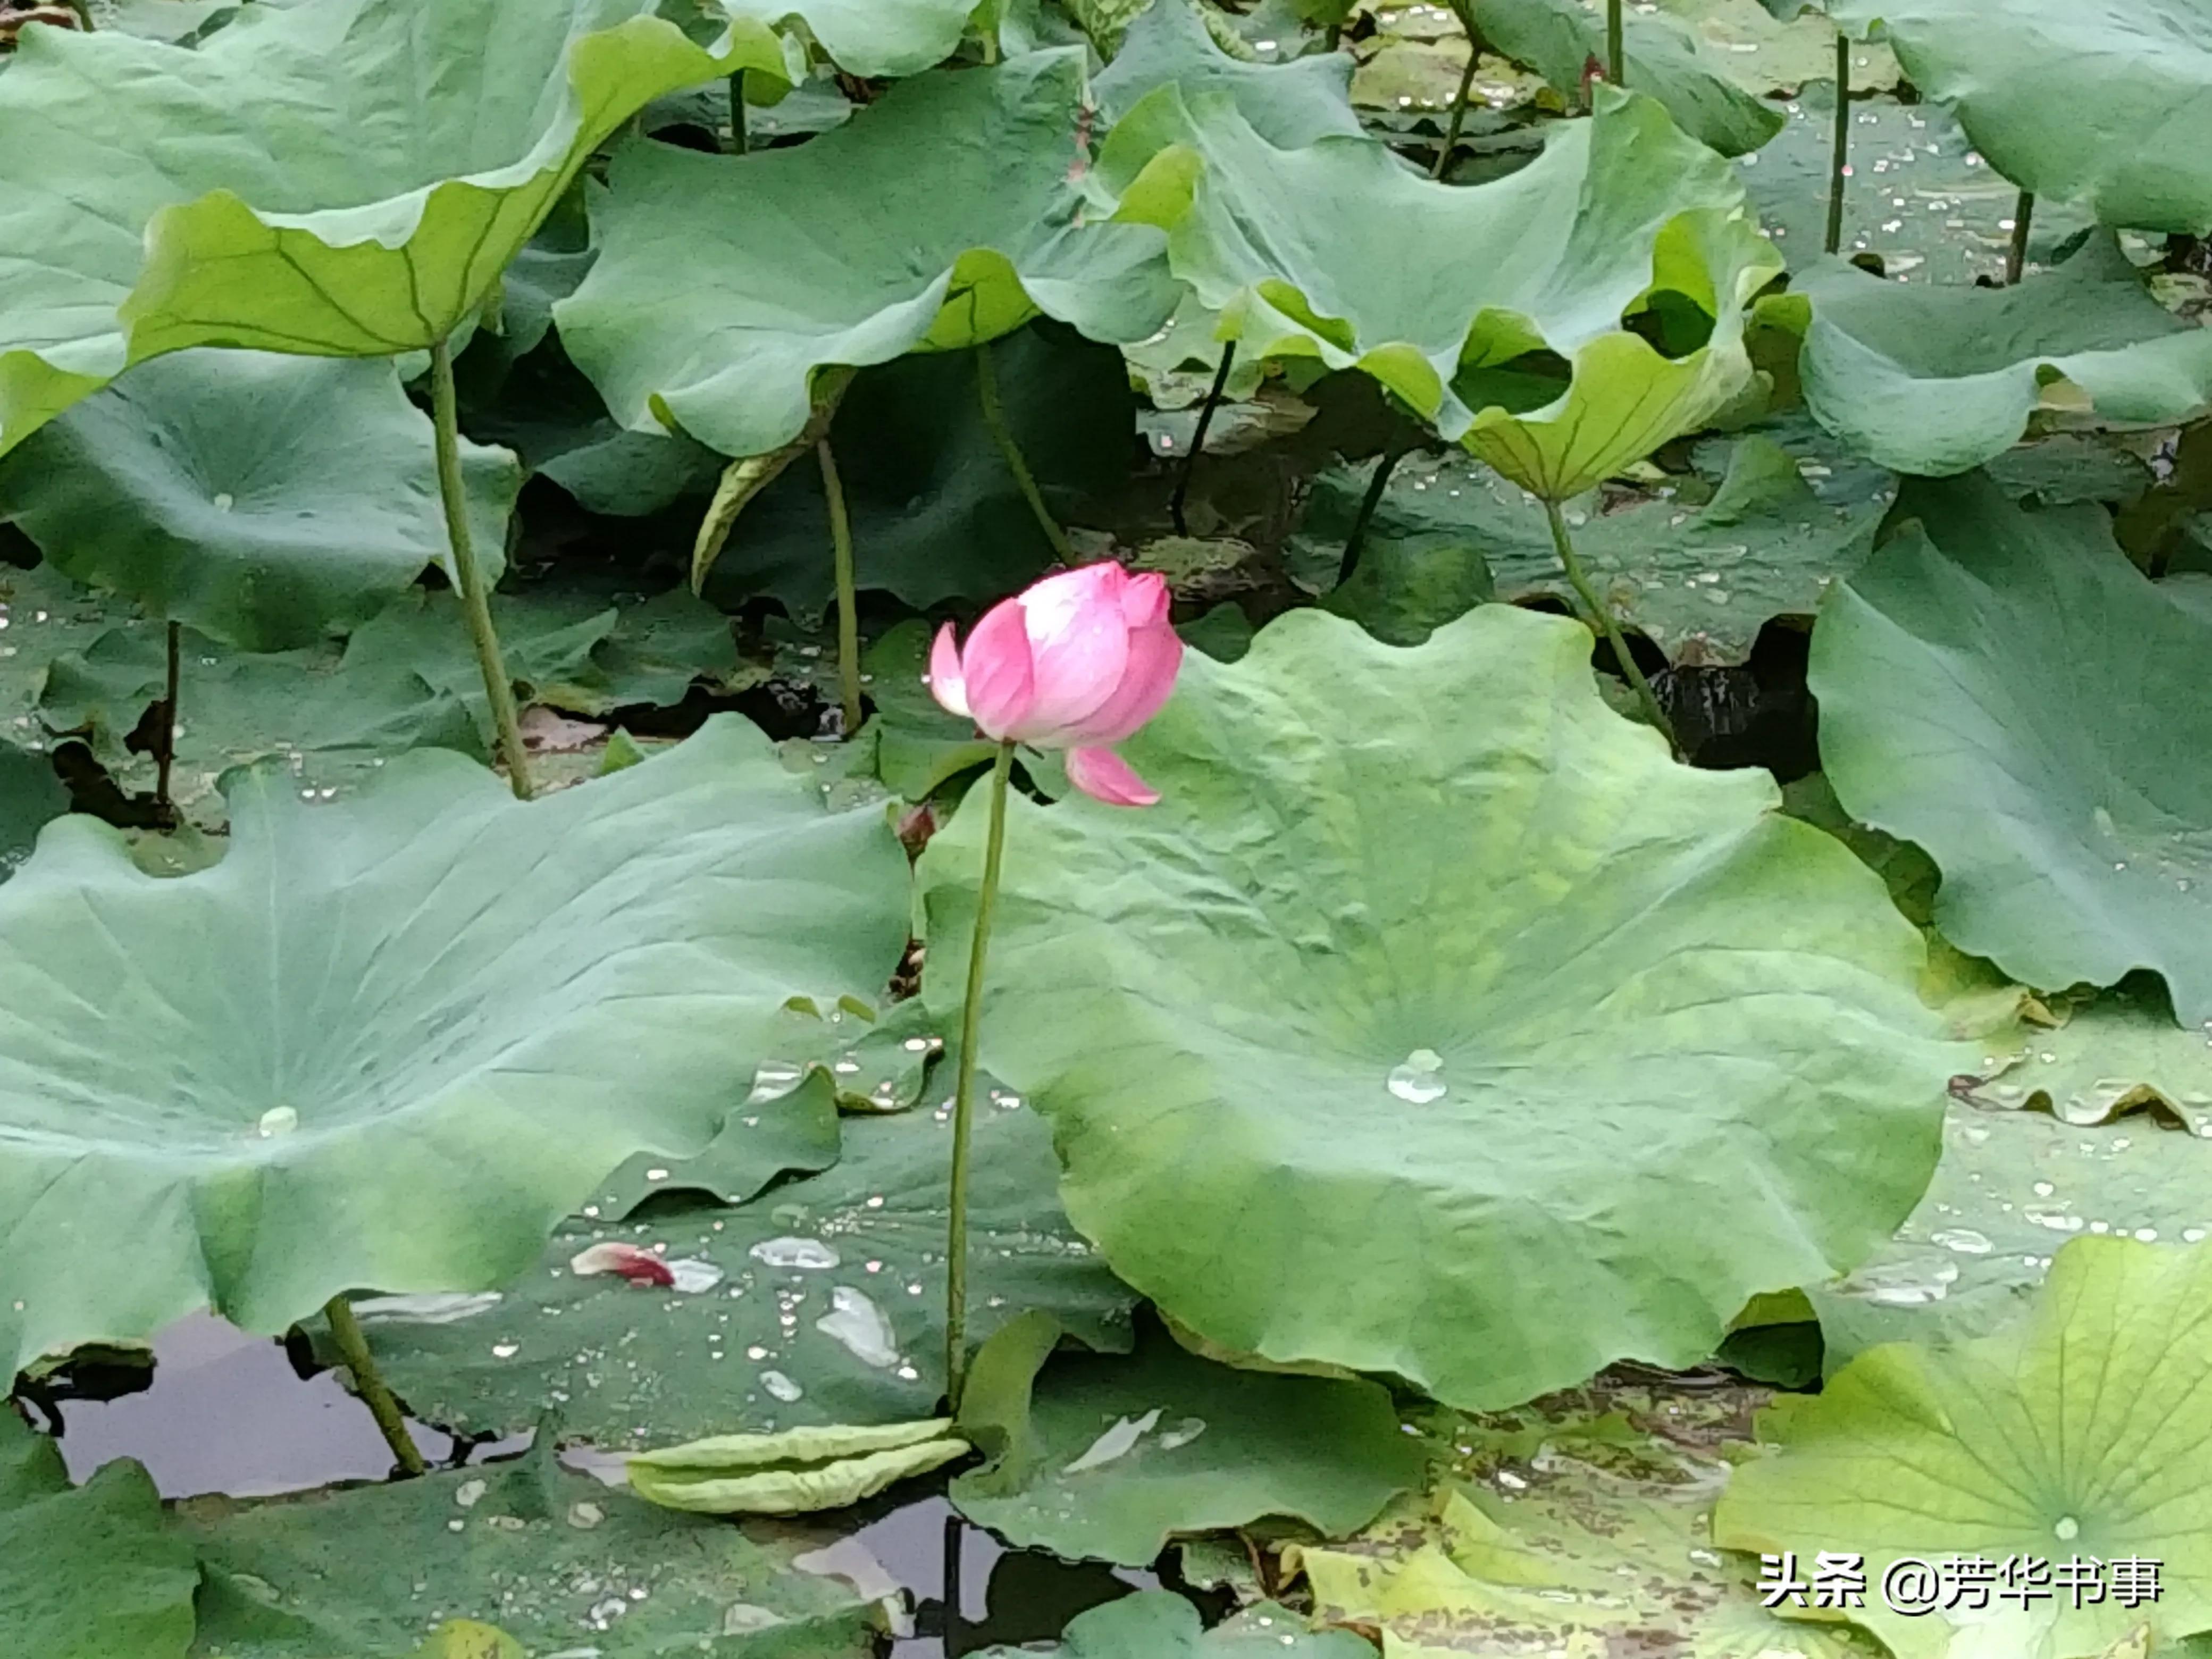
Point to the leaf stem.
(1393, 452)
(165, 756)
(2023, 214)
(1197, 437)
(995, 418)
(964, 1093)
(1602, 619)
(353, 1348)
(475, 602)
(848, 616)
(1616, 54)
(738, 140)
(1459, 100)
(1840, 160)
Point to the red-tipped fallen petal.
(638, 1267)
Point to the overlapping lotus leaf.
(2115, 1053)
(2013, 1185)
(1456, 299)
(1982, 681)
(90, 1571)
(30, 794)
(552, 1558)
(386, 1043)
(820, 1301)
(1289, 104)
(263, 499)
(345, 179)
(2083, 1432)
(1479, 1052)
(2109, 105)
(1161, 1624)
(1931, 380)
(867, 38)
(1560, 37)
(947, 214)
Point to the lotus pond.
(1137, 828)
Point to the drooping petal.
(1105, 776)
(1148, 678)
(946, 682)
(996, 672)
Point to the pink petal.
(946, 682)
(1144, 600)
(1078, 665)
(1104, 776)
(638, 1267)
(1147, 680)
(997, 674)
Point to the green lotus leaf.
(1698, 581)
(938, 218)
(1965, 706)
(1430, 979)
(1161, 1624)
(1338, 251)
(1921, 197)
(1936, 380)
(30, 794)
(2105, 106)
(2012, 1186)
(2116, 1053)
(797, 1472)
(1107, 1458)
(1770, 47)
(262, 499)
(1289, 104)
(344, 181)
(347, 1076)
(554, 1558)
(873, 39)
(44, 617)
(1559, 38)
(821, 1301)
(2078, 1432)
(1565, 1528)
(90, 1571)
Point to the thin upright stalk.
(995, 418)
(1602, 619)
(164, 757)
(1616, 54)
(737, 114)
(848, 615)
(1393, 452)
(475, 601)
(963, 1092)
(1197, 437)
(1458, 107)
(2023, 214)
(1839, 162)
(353, 1348)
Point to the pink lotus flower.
(1077, 661)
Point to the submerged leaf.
(1160, 1624)
(1333, 1015)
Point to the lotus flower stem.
(1443, 162)
(848, 616)
(1602, 619)
(994, 417)
(476, 603)
(2023, 214)
(737, 114)
(1393, 452)
(963, 1091)
(1840, 163)
(1197, 437)
(353, 1348)
(1616, 54)
(165, 756)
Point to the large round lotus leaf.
(868, 38)
(2012, 1186)
(1698, 581)
(1161, 1624)
(1575, 1526)
(1982, 684)
(1935, 381)
(343, 180)
(554, 1558)
(821, 1301)
(1107, 1458)
(387, 1042)
(2084, 1431)
(1560, 37)
(1480, 1051)
(2109, 105)
(940, 216)
(91, 1571)
(1338, 252)
(263, 499)
(1289, 104)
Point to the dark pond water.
(228, 1413)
